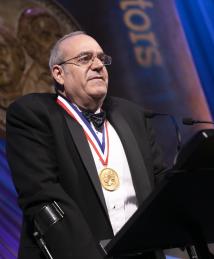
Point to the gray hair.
(57, 55)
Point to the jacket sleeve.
(32, 159)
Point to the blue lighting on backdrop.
(198, 23)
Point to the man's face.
(85, 84)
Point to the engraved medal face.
(109, 179)
(28, 30)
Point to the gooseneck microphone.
(190, 121)
(151, 114)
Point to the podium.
(179, 212)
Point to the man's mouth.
(95, 77)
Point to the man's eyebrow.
(89, 52)
(84, 53)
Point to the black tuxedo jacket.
(51, 160)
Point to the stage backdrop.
(198, 23)
(152, 66)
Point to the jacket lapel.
(141, 181)
(134, 156)
(82, 145)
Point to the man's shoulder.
(36, 104)
(34, 99)
(121, 103)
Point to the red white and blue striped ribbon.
(101, 148)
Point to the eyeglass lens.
(87, 57)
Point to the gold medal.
(109, 179)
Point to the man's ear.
(58, 74)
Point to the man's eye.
(102, 57)
(84, 59)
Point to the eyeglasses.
(87, 58)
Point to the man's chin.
(97, 91)
(99, 95)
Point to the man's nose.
(96, 63)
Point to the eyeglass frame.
(89, 62)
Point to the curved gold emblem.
(109, 179)
(28, 30)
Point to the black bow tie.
(96, 118)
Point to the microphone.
(150, 114)
(190, 121)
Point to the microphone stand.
(190, 121)
(192, 250)
(150, 115)
(42, 245)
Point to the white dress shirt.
(121, 203)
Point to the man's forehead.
(80, 43)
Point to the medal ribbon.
(100, 148)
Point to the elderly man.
(82, 163)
